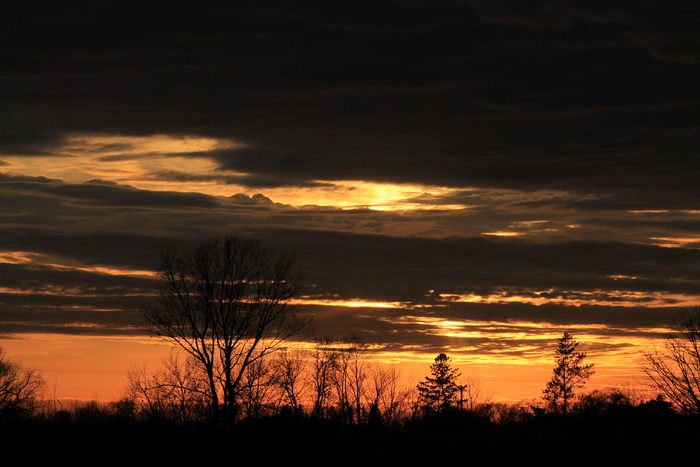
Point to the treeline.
(610, 423)
(618, 405)
(334, 382)
(333, 402)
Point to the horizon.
(103, 377)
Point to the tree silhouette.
(227, 304)
(569, 375)
(675, 370)
(289, 378)
(20, 388)
(439, 391)
(177, 392)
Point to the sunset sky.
(467, 177)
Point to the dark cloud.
(100, 193)
(407, 269)
(394, 332)
(114, 196)
(382, 268)
(507, 95)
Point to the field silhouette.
(98, 433)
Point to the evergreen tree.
(439, 391)
(569, 374)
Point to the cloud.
(245, 180)
(101, 193)
(524, 97)
(256, 199)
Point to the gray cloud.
(488, 95)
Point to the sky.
(463, 177)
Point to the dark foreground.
(317, 443)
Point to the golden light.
(116, 158)
(503, 234)
(675, 242)
(622, 298)
(355, 303)
(83, 367)
(56, 262)
(152, 163)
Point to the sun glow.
(503, 234)
(187, 164)
(89, 367)
(675, 242)
(579, 298)
(117, 158)
(55, 262)
(354, 303)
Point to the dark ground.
(322, 444)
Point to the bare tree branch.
(228, 304)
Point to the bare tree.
(675, 369)
(358, 369)
(227, 304)
(258, 390)
(177, 391)
(387, 400)
(289, 377)
(474, 393)
(20, 388)
(350, 378)
(323, 364)
(340, 374)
